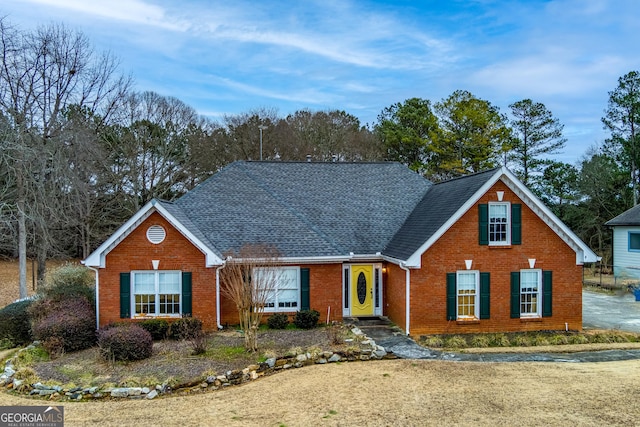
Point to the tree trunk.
(22, 245)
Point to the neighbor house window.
(283, 292)
(634, 241)
(499, 228)
(530, 293)
(467, 283)
(156, 293)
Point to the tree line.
(81, 150)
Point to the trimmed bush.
(73, 321)
(185, 328)
(278, 321)
(306, 319)
(158, 328)
(125, 343)
(70, 281)
(15, 323)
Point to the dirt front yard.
(393, 392)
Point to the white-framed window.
(467, 291)
(530, 292)
(499, 223)
(156, 293)
(284, 294)
(634, 241)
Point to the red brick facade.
(135, 252)
(428, 284)
(460, 243)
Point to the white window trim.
(538, 312)
(275, 308)
(507, 242)
(157, 286)
(476, 308)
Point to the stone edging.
(368, 350)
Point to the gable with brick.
(476, 253)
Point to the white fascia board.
(98, 257)
(415, 260)
(583, 252)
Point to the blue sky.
(228, 57)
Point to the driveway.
(607, 311)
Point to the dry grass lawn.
(394, 392)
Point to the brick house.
(476, 253)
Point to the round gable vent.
(156, 234)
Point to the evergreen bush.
(185, 328)
(158, 328)
(278, 321)
(125, 343)
(306, 319)
(15, 323)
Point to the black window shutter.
(125, 295)
(516, 224)
(515, 294)
(483, 224)
(451, 296)
(305, 303)
(546, 294)
(485, 299)
(187, 296)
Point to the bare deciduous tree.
(249, 279)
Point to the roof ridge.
(293, 211)
(492, 170)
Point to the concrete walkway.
(600, 311)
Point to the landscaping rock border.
(364, 349)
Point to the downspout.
(95, 270)
(407, 279)
(224, 263)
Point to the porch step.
(367, 321)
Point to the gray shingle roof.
(432, 212)
(304, 209)
(629, 217)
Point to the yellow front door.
(362, 290)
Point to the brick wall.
(325, 290)
(460, 242)
(135, 252)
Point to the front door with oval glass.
(361, 290)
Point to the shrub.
(499, 340)
(72, 321)
(578, 339)
(539, 340)
(521, 340)
(455, 341)
(433, 342)
(70, 281)
(306, 319)
(15, 323)
(278, 321)
(480, 341)
(158, 328)
(185, 328)
(125, 343)
(559, 339)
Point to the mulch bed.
(173, 362)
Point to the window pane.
(498, 222)
(634, 241)
(169, 283)
(529, 291)
(145, 304)
(145, 283)
(288, 279)
(466, 281)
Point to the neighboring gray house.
(626, 244)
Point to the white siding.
(625, 264)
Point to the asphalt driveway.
(607, 311)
